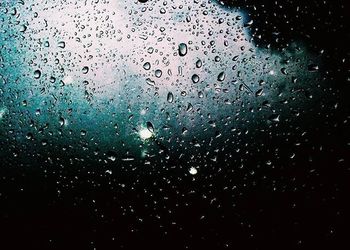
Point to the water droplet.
(150, 50)
(85, 70)
(150, 127)
(221, 76)
(147, 66)
(37, 74)
(312, 67)
(259, 92)
(199, 63)
(284, 71)
(150, 82)
(52, 79)
(62, 121)
(158, 73)
(274, 118)
(170, 97)
(61, 44)
(29, 136)
(189, 107)
(182, 49)
(23, 28)
(195, 78)
(111, 155)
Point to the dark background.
(299, 203)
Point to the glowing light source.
(193, 171)
(145, 134)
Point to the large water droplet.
(147, 66)
(221, 76)
(195, 78)
(37, 74)
(150, 82)
(150, 127)
(158, 73)
(199, 63)
(182, 49)
(189, 107)
(170, 97)
(62, 121)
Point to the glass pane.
(185, 124)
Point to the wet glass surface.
(176, 124)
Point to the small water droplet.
(312, 67)
(29, 136)
(111, 155)
(150, 50)
(274, 118)
(23, 28)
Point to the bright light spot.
(143, 112)
(3, 111)
(272, 72)
(145, 134)
(193, 171)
